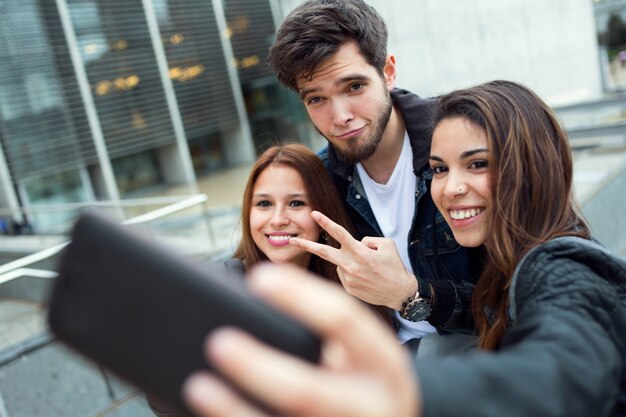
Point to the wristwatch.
(416, 308)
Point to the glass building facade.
(107, 99)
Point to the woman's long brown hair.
(531, 172)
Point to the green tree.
(615, 35)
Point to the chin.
(283, 259)
(470, 241)
(278, 259)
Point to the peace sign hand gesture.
(371, 269)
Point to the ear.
(389, 72)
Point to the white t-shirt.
(393, 204)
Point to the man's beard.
(359, 149)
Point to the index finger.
(336, 231)
(326, 252)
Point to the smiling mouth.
(280, 238)
(465, 214)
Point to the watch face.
(419, 311)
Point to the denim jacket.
(436, 258)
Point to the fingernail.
(316, 215)
(201, 390)
(293, 241)
(222, 341)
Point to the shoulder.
(417, 114)
(409, 102)
(566, 271)
(581, 256)
(235, 265)
(339, 170)
(323, 155)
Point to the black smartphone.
(143, 312)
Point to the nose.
(279, 217)
(342, 112)
(455, 186)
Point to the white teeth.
(465, 214)
(281, 237)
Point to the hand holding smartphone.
(143, 312)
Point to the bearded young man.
(333, 54)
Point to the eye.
(297, 203)
(479, 164)
(356, 86)
(439, 169)
(313, 100)
(263, 203)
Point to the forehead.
(277, 177)
(346, 60)
(457, 134)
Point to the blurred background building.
(106, 100)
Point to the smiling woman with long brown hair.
(510, 160)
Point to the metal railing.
(122, 209)
(595, 122)
(23, 267)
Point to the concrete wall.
(600, 181)
(445, 44)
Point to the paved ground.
(21, 320)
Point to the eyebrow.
(343, 80)
(471, 152)
(293, 195)
(463, 155)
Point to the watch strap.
(424, 288)
(419, 306)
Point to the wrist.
(416, 307)
(409, 291)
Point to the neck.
(380, 166)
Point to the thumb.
(372, 242)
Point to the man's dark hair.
(315, 29)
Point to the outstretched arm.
(363, 370)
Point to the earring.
(324, 236)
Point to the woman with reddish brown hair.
(285, 185)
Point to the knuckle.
(340, 234)
(350, 271)
(322, 252)
(299, 400)
(344, 320)
(348, 285)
